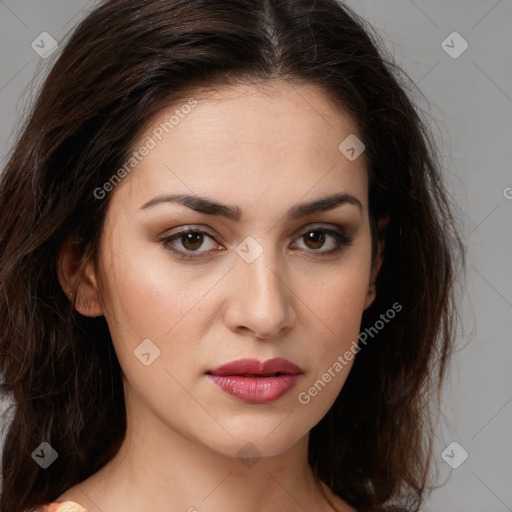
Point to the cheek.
(337, 293)
(148, 292)
(339, 308)
(155, 310)
(336, 304)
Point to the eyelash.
(342, 239)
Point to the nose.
(260, 302)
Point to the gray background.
(470, 104)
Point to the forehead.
(277, 139)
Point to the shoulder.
(61, 506)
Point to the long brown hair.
(126, 61)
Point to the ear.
(71, 278)
(377, 262)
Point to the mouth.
(257, 375)
(254, 368)
(256, 382)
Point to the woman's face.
(252, 277)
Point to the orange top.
(61, 506)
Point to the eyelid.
(191, 227)
(166, 240)
(295, 234)
(337, 232)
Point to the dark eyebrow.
(323, 205)
(210, 207)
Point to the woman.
(227, 268)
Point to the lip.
(256, 382)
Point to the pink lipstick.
(254, 381)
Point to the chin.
(256, 442)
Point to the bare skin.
(265, 150)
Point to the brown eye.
(317, 238)
(314, 239)
(192, 240)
